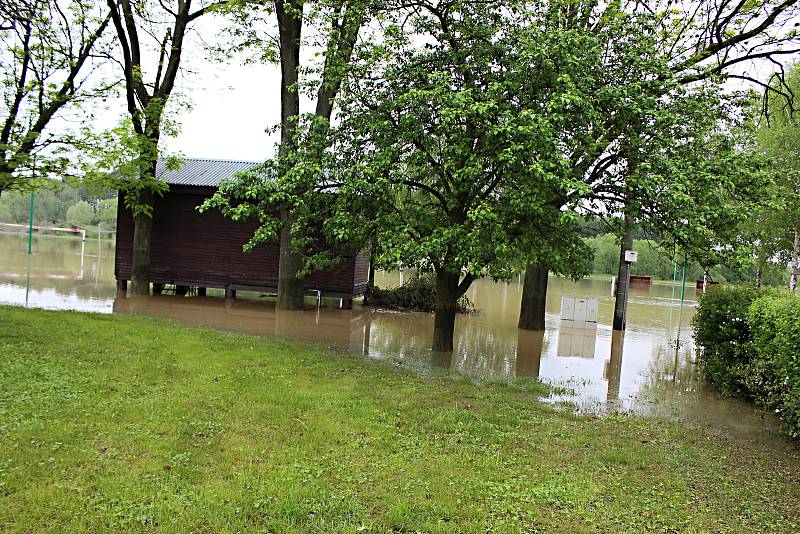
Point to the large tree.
(456, 146)
(779, 139)
(151, 37)
(698, 42)
(287, 203)
(48, 64)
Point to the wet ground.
(651, 370)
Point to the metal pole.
(680, 315)
(30, 225)
(683, 279)
(30, 213)
(674, 282)
(674, 270)
(28, 281)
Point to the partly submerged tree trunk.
(621, 297)
(795, 261)
(534, 298)
(290, 25)
(339, 52)
(371, 276)
(445, 314)
(142, 235)
(143, 215)
(290, 287)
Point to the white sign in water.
(579, 310)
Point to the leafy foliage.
(721, 329)
(80, 214)
(749, 338)
(775, 227)
(48, 71)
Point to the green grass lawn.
(126, 423)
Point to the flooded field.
(649, 371)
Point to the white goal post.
(24, 229)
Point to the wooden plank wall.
(205, 250)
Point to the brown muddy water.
(651, 370)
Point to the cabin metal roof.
(202, 172)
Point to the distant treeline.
(61, 205)
(654, 262)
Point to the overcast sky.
(233, 104)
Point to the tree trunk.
(142, 234)
(705, 281)
(795, 261)
(290, 287)
(534, 298)
(621, 298)
(445, 314)
(290, 26)
(371, 276)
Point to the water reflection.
(62, 273)
(576, 340)
(613, 367)
(649, 370)
(530, 347)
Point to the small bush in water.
(418, 294)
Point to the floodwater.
(650, 370)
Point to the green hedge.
(750, 340)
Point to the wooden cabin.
(638, 280)
(190, 249)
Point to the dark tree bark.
(340, 49)
(445, 314)
(290, 28)
(142, 232)
(145, 104)
(448, 291)
(371, 275)
(534, 298)
(621, 296)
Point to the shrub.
(721, 329)
(750, 341)
(418, 294)
(773, 378)
(80, 214)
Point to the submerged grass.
(128, 423)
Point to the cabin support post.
(230, 294)
(347, 304)
(201, 292)
(122, 288)
(157, 288)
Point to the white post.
(795, 261)
(83, 247)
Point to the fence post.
(30, 225)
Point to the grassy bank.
(110, 422)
